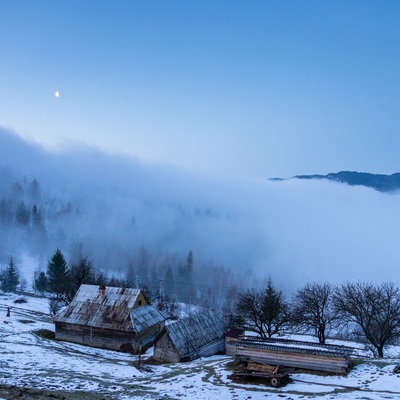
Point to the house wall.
(164, 349)
(95, 337)
(141, 300)
(230, 345)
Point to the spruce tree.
(185, 272)
(131, 276)
(274, 309)
(11, 278)
(36, 217)
(41, 283)
(59, 277)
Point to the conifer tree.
(36, 217)
(11, 278)
(131, 276)
(185, 272)
(274, 309)
(59, 277)
(41, 283)
(262, 311)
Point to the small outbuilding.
(110, 318)
(201, 335)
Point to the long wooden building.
(197, 336)
(111, 318)
(290, 353)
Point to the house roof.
(192, 333)
(146, 316)
(235, 332)
(110, 309)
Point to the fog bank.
(293, 231)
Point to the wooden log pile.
(275, 375)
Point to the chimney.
(102, 290)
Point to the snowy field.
(32, 362)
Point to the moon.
(57, 93)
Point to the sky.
(252, 88)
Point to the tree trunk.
(321, 336)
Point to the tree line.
(165, 281)
(370, 312)
(35, 218)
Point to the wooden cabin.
(201, 335)
(109, 318)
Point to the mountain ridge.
(380, 182)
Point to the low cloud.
(293, 231)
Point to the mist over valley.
(124, 213)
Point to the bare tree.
(81, 272)
(262, 311)
(248, 310)
(374, 308)
(312, 308)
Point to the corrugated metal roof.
(109, 310)
(192, 333)
(146, 316)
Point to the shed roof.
(192, 333)
(146, 316)
(110, 309)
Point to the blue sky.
(255, 88)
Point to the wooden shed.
(110, 318)
(201, 335)
(290, 353)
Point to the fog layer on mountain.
(112, 207)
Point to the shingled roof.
(192, 333)
(145, 317)
(101, 307)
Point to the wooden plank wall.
(338, 365)
(164, 350)
(94, 337)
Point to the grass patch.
(45, 333)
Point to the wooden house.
(110, 318)
(197, 336)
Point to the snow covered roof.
(146, 316)
(195, 332)
(101, 307)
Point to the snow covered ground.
(31, 361)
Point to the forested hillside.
(140, 221)
(130, 240)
